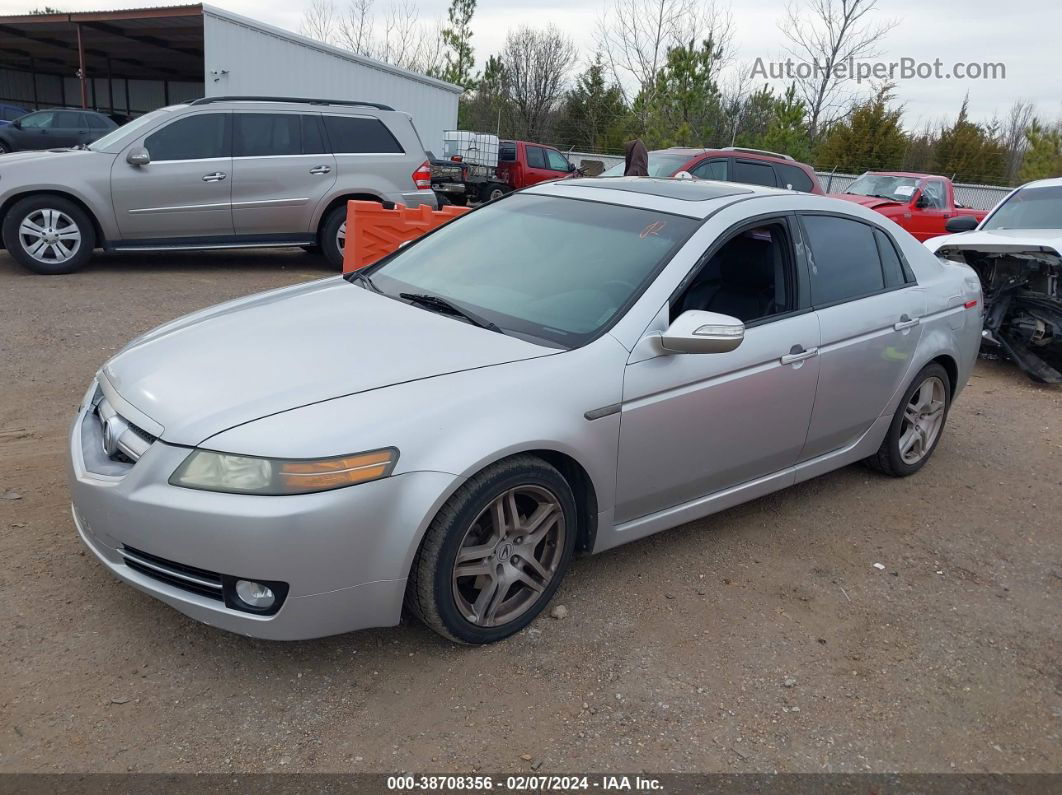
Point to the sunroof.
(690, 190)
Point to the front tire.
(5, 148)
(917, 425)
(495, 553)
(49, 234)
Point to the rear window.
(754, 173)
(360, 135)
(844, 259)
(794, 178)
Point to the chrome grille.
(189, 578)
(122, 441)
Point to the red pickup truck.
(520, 165)
(920, 203)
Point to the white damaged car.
(1017, 253)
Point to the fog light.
(254, 594)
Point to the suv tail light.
(422, 176)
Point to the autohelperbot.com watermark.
(862, 70)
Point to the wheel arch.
(11, 201)
(951, 367)
(342, 199)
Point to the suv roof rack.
(757, 152)
(298, 100)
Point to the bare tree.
(635, 35)
(536, 64)
(1013, 136)
(319, 21)
(356, 28)
(824, 34)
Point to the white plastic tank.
(477, 149)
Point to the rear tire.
(514, 526)
(49, 235)
(493, 190)
(333, 236)
(5, 148)
(917, 426)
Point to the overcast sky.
(1022, 34)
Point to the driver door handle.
(906, 322)
(217, 176)
(798, 354)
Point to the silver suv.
(221, 172)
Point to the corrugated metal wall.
(245, 57)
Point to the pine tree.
(1043, 157)
(870, 138)
(594, 116)
(967, 152)
(457, 36)
(787, 131)
(683, 108)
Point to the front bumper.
(344, 554)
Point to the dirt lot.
(761, 639)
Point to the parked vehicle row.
(222, 172)
(652, 351)
(53, 129)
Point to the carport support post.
(81, 67)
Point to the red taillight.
(457, 158)
(422, 176)
(969, 305)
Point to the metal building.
(132, 61)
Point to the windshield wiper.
(364, 278)
(438, 302)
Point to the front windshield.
(661, 164)
(114, 136)
(1029, 208)
(544, 268)
(882, 186)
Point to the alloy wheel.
(341, 236)
(923, 418)
(509, 556)
(496, 193)
(49, 236)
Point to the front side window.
(754, 173)
(39, 121)
(933, 195)
(1028, 208)
(749, 277)
(556, 161)
(198, 137)
(550, 269)
(360, 135)
(843, 257)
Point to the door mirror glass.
(922, 201)
(961, 223)
(697, 331)
(138, 156)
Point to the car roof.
(737, 151)
(1050, 182)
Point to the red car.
(731, 164)
(920, 203)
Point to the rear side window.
(536, 158)
(266, 135)
(97, 122)
(754, 173)
(794, 178)
(69, 120)
(313, 142)
(895, 273)
(198, 137)
(359, 135)
(710, 169)
(844, 259)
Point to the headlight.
(240, 474)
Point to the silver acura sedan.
(563, 370)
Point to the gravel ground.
(761, 639)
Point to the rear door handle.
(906, 322)
(321, 170)
(798, 354)
(217, 176)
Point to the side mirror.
(138, 156)
(695, 331)
(17, 124)
(571, 167)
(961, 223)
(921, 202)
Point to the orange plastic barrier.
(374, 231)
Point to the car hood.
(54, 155)
(250, 358)
(871, 202)
(1001, 240)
